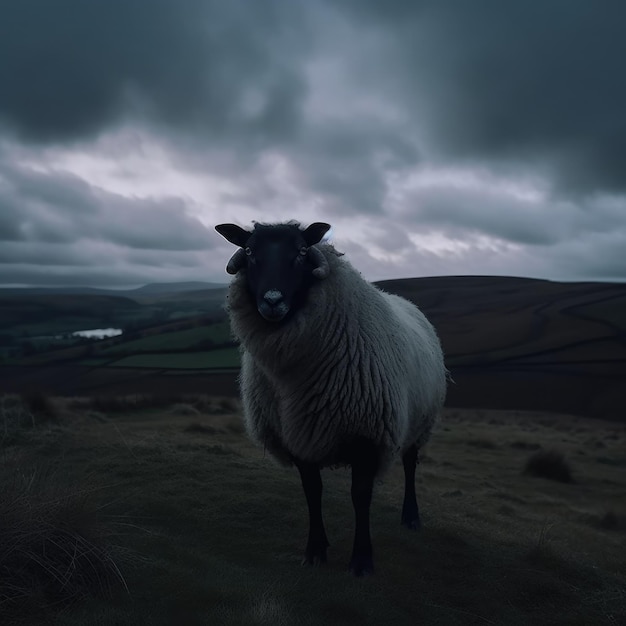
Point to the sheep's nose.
(273, 297)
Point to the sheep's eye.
(303, 250)
(248, 251)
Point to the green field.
(224, 357)
(173, 341)
(35, 323)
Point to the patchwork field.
(202, 527)
(510, 343)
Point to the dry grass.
(220, 528)
(54, 547)
(184, 409)
(177, 404)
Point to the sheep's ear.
(314, 233)
(233, 233)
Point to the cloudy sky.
(436, 136)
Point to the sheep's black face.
(278, 263)
(276, 270)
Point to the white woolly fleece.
(353, 361)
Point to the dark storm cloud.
(226, 79)
(345, 164)
(537, 83)
(69, 68)
(321, 104)
(533, 82)
(499, 215)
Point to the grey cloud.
(532, 222)
(347, 164)
(9, 228)
(120, 276)
(532, 82)
(69, 68)
(95, 263)
(346, 96)
(48, 255)
(56, 207)
(459, 210)
(220, 81)
(159, 224)
(56, 228)
(389, 235)
(599, 256)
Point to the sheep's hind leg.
(364, 461)
(315, 551)
(410, 510)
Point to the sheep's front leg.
(315, 552)
(410, 510)
(364, 467)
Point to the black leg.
(315, 552)
(364, 461)
(410, 510)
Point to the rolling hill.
(511, 343)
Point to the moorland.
(118, 512)
(131, 495)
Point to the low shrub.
(549, 464)
(185, 410)
(610, 521)
(40, 405)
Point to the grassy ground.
(205, 529)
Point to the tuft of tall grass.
(21, 415)
(40, 405)
(549, 464)
(54, 546)
(14, 417)
(610, 521)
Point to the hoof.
(313, 560)
(412, 524)
(315, 556)
(361, 566)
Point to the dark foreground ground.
(204, 529)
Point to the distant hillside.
(149, 289)
(528, 344)
(510, 343)
(23, 310)
(160, 288)
(58, 291)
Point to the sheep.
(334, 371)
